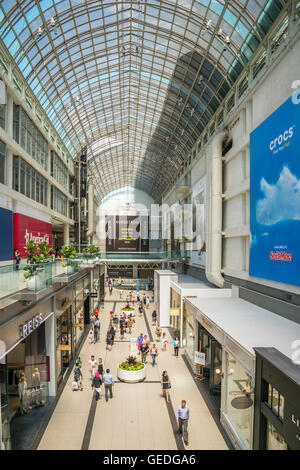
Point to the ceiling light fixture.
(208, 24)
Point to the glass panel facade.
(2, 161)
(29, 137)
(175, 301)
(29, 182)
(59, 202)
(275, 402)
(4, 403)
(2, 115)
(59, 171)
(239, 401)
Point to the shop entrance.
(213, 363)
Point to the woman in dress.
(165, 385)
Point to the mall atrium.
(150, 225)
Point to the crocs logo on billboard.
(281, 139)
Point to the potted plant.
(68, 252)
(131, 370)
(37, 254)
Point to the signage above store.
(64, 347)
(31, 325)
(291, 424)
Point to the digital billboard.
(275, 196)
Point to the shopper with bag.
(96, 384)
(154, 354)
(165, 384)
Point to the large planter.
(131, 376)
(34, 283)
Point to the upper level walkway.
(12, 281)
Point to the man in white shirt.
(92, 366)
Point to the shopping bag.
(75, 385)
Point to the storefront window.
(4, 425)
(175, 300)
(64, 344)
(28, 377)
(275, 402)
(239, 400)
(189, 334)
(274, 440)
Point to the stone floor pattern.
(138, 416)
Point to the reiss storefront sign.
(30, 229)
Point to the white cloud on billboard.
(281, 201)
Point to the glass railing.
(33, 277)
(37, 277)
(168, 255)
(131, 284)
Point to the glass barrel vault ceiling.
(134, 82)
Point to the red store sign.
(29, 229)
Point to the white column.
(66, 234)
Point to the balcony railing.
(42, 276)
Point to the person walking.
(98, 325)
(144, 351)
(92, 366)
(122, 329)
(108, 381)
(100, 367)
(176, 344)
(164, 341)
(112, 333)
(130, 324)
(91, 336)
(18, 259)
(96, 384)
(182, 416)
(140, 341)
(141, 309)
(154, 354)
(108, 340)
(78, 362)
(121, 294)
(95, 334)
(154, 317)
(165, 385)
(78, 376)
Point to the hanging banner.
(275, 196)
(198, 253)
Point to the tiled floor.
(137, 417)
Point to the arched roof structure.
(135, 82)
